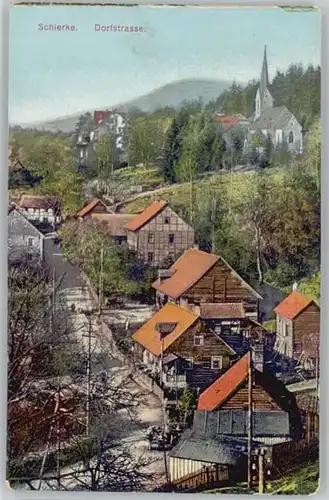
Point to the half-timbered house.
(158, 234)
(180, 349)
(199, 277)
(298, 329)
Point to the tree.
(313, 153)
(145, 141)
(173, 145)
(257, 212)
(186, 405)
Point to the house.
(158, 233)
(218, 441)
(278, 123)
(95, 206)
(114, 225)
(40, 209)
(231, 391)
(178, 347)
(199, 277)
(231, 322)
(24, 239)
(298, 328)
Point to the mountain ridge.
(172, 95)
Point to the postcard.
(164, 179)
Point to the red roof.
(187, 270)
(215, 395)
(148, 335)
(229, 121)
(90, 206)
(293, 305)
(99, 116)
(148, 213)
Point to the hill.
(171, 95)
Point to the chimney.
(164, 274)
(257, 354)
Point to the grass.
(302, 481)
(138, 176)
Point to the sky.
(57, 73)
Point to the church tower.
(264, 99)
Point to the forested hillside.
(297, 88)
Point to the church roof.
(275, 118)
(263, 83)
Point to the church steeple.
(263, 84)
(264, 99)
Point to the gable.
(222, 284)
(261, 399)
(158, 222)
(213, 344)
(19, 224)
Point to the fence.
(286, 456)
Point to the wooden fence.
(203, 479)
(283, 457)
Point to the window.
(291, 137)
(285, 330)
(171, 238)
(30, 242)
(167, 220)
(150, 257)
(150, 238)
(189, 362)
(216, 362)
(198, 340)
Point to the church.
(277, 122)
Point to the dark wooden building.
(190, 354)
(198, 277)
(231, 392)
(158, 234)
(298, 329)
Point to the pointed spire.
(263, 84)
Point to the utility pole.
(101, 280)
(191, 194)
(58, 436)
(261, 471)
(89, 319)
(250, 423)
(213, 219)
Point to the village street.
(87, 329)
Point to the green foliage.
(173, 146)
(313, 151)
(84, 243)
(146, 136)
(311, 287)
(186, 405)
(298, 88)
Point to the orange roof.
(229, 121)
(224, 386)
(292, 305)
(148, 213)
(148, 335)
(187, 270)
(86, 209)
(37, 202)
